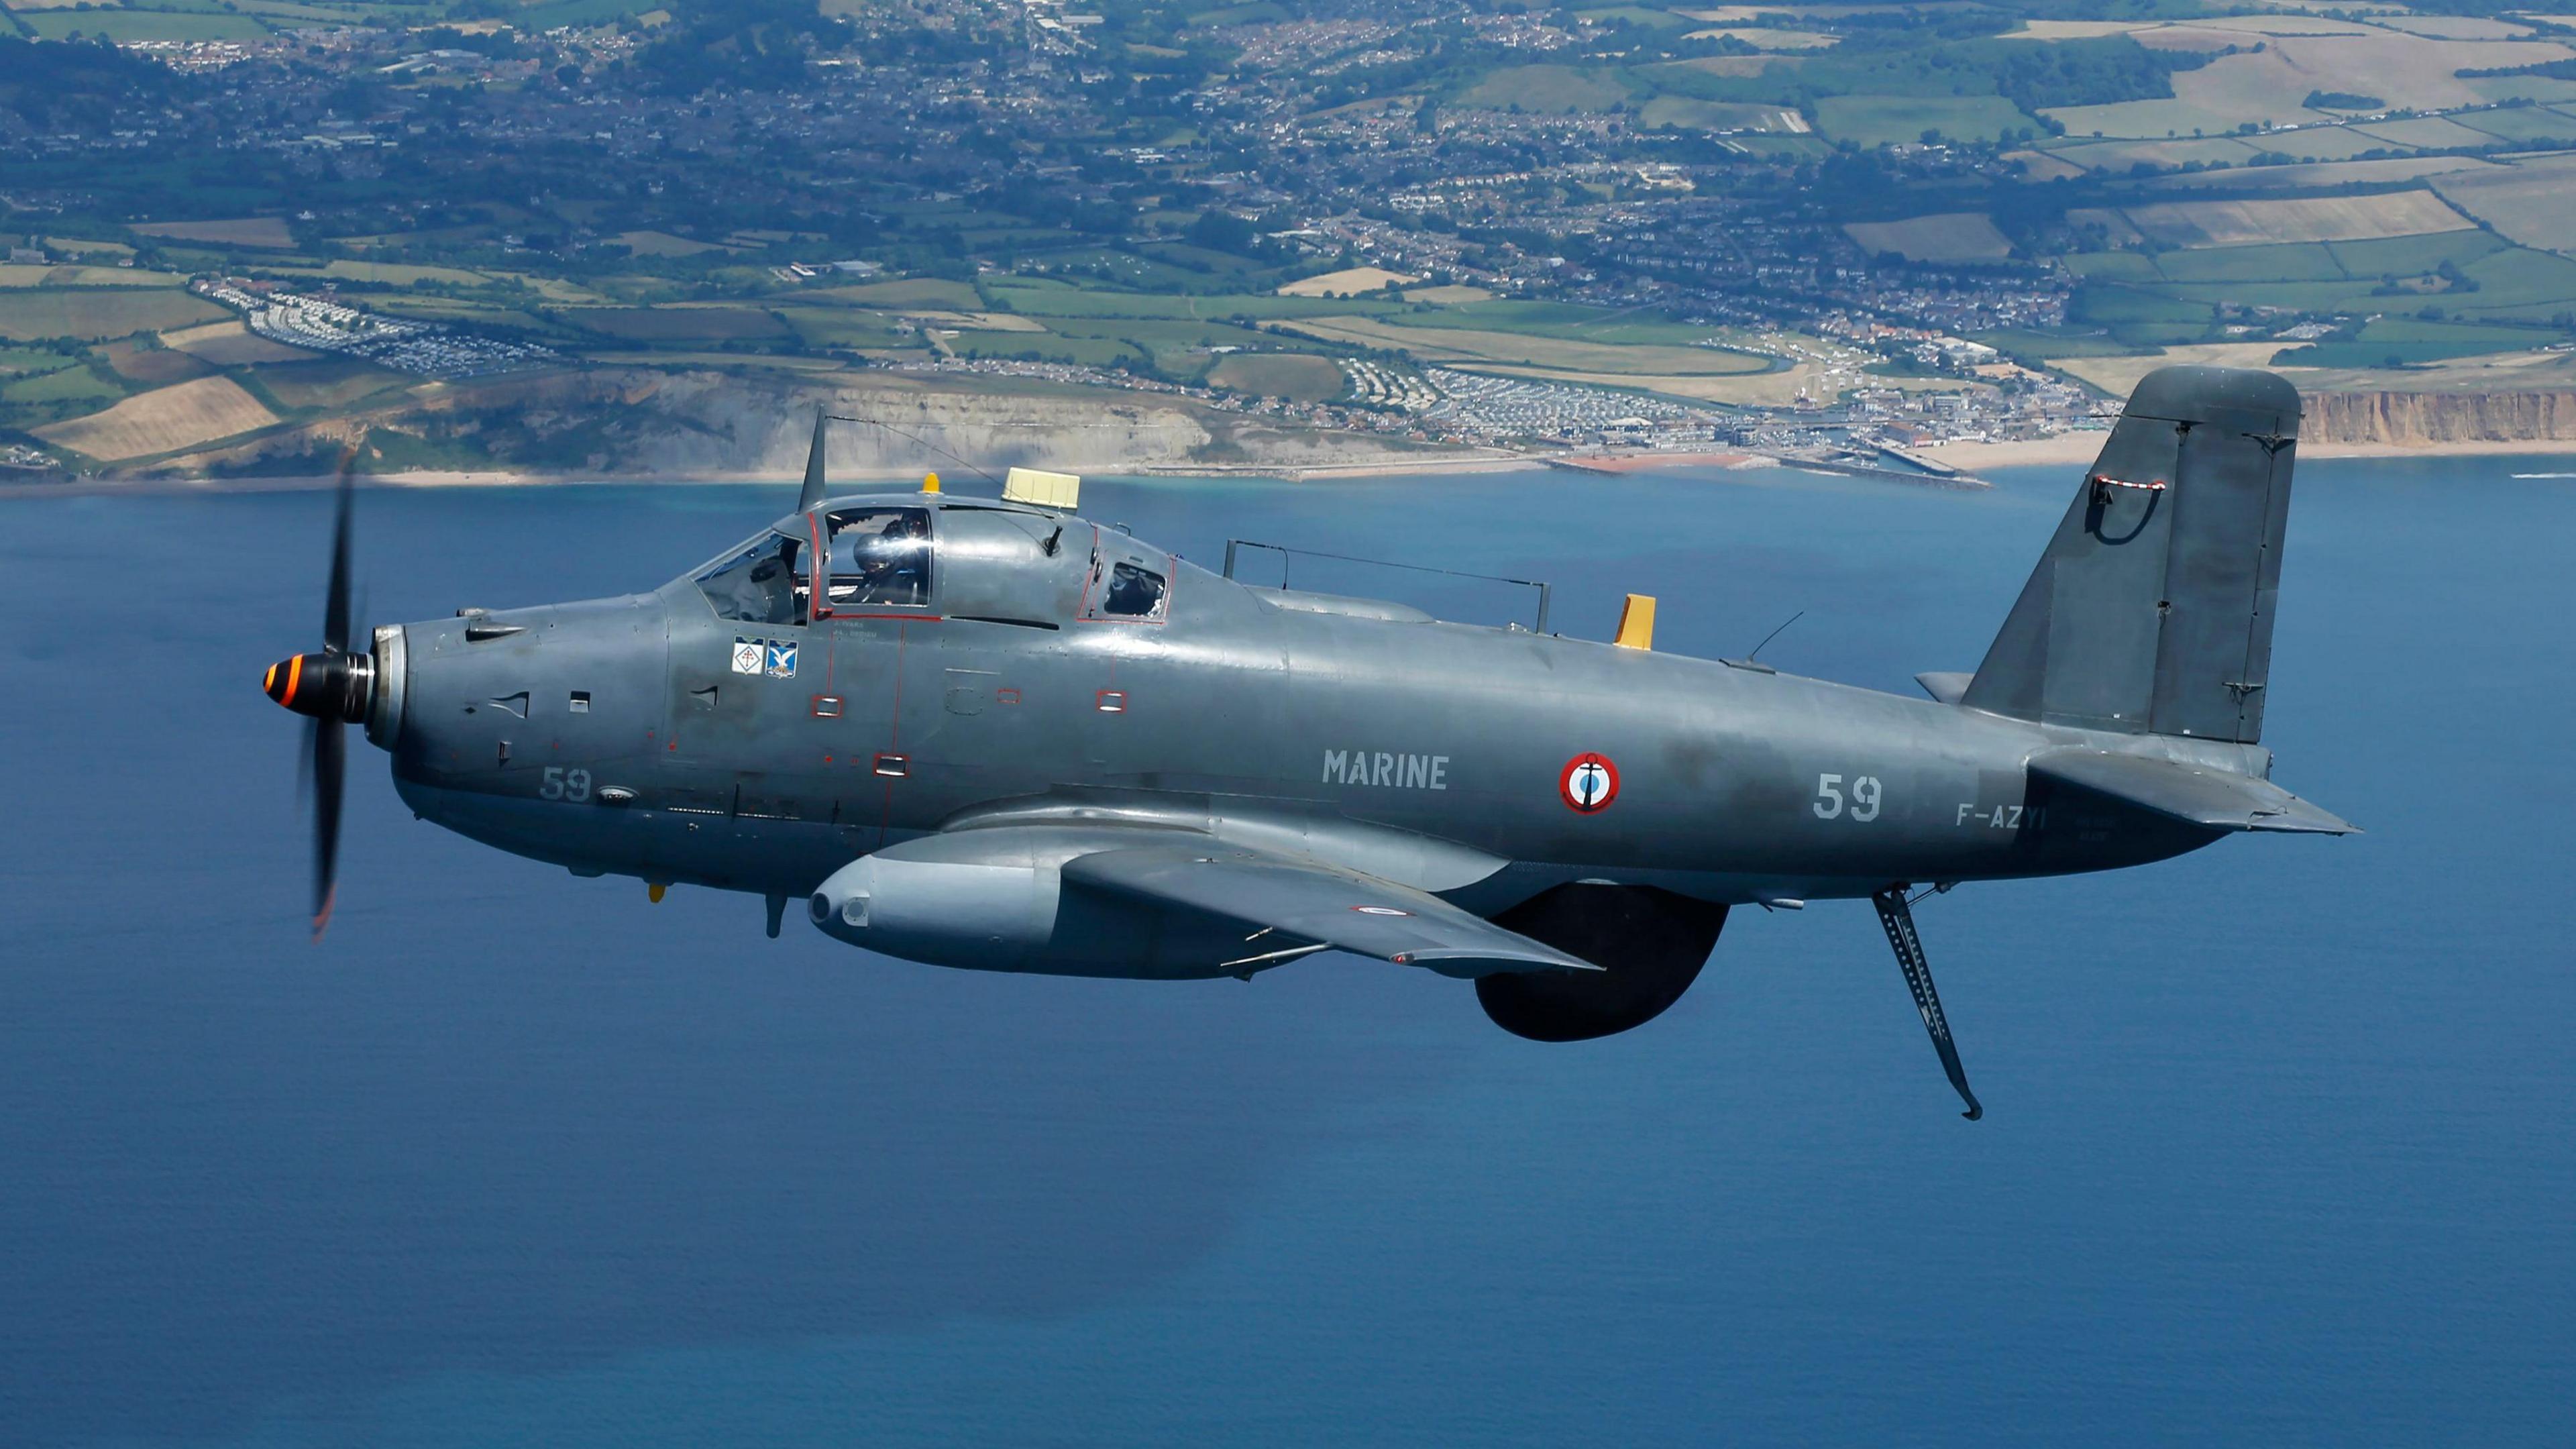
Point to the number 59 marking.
(1863, 803)
(563, 784)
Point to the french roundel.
(1589, 784)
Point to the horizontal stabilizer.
(1340, 908)
(2217, 799)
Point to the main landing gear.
(1896, 913)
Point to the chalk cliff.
(2434, 419)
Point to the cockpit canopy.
(907, 558)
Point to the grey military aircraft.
(992, 733)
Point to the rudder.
(2152, 610)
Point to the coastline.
(2067, 449)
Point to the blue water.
(2278, 1144)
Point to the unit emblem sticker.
(782, 659)
(1590, 782)
(746, 656)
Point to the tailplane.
(2151, 612)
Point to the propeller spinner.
(331, 688)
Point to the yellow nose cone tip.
(653, 893)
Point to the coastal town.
(1504, 229)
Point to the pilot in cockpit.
(891, 562)
(766, 591)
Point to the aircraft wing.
(2219, 799)
(1318, 902)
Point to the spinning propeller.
(331, 688)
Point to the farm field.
(97, 313)
(2523, 123)
(1347, 282)
(23, 275)
(1553, 88)
(1697, 115)
(1968, 236)
(2533, 202)
(2377, 171)
(2262, 88)
(249, 231)
(663, 244)
(675, 324)
(125, 26)
(1886, 120)
(163, 421)
(1298, 377)
(2117, 375)
(230, 344)
(2425, 133)
(2118, 156)
(2301, 219)
(152, 366)
(56, 391)
(327, 383)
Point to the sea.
(2279, 1146)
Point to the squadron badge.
(782, 658)
(746, 655)
(1590, 782)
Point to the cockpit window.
(880, 559)
(1134, 592)
(1129, 582)
(759, 585)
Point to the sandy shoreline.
(2066, 449)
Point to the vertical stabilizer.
(813, 493)
(2152, 610)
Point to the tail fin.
(2151, 612)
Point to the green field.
(1555, 88)
(2114, 266)
(676, 324)
(2529, 285)
(914, 292)
(1889, 120)
(2116, 304)
(2291, 262)
(125, 25)
(1694, 115)
(2413, 256)
(1277, 374)
(845, 327)
(69, 385)
(97, 313)
(2377, 354)
(2523, 123)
